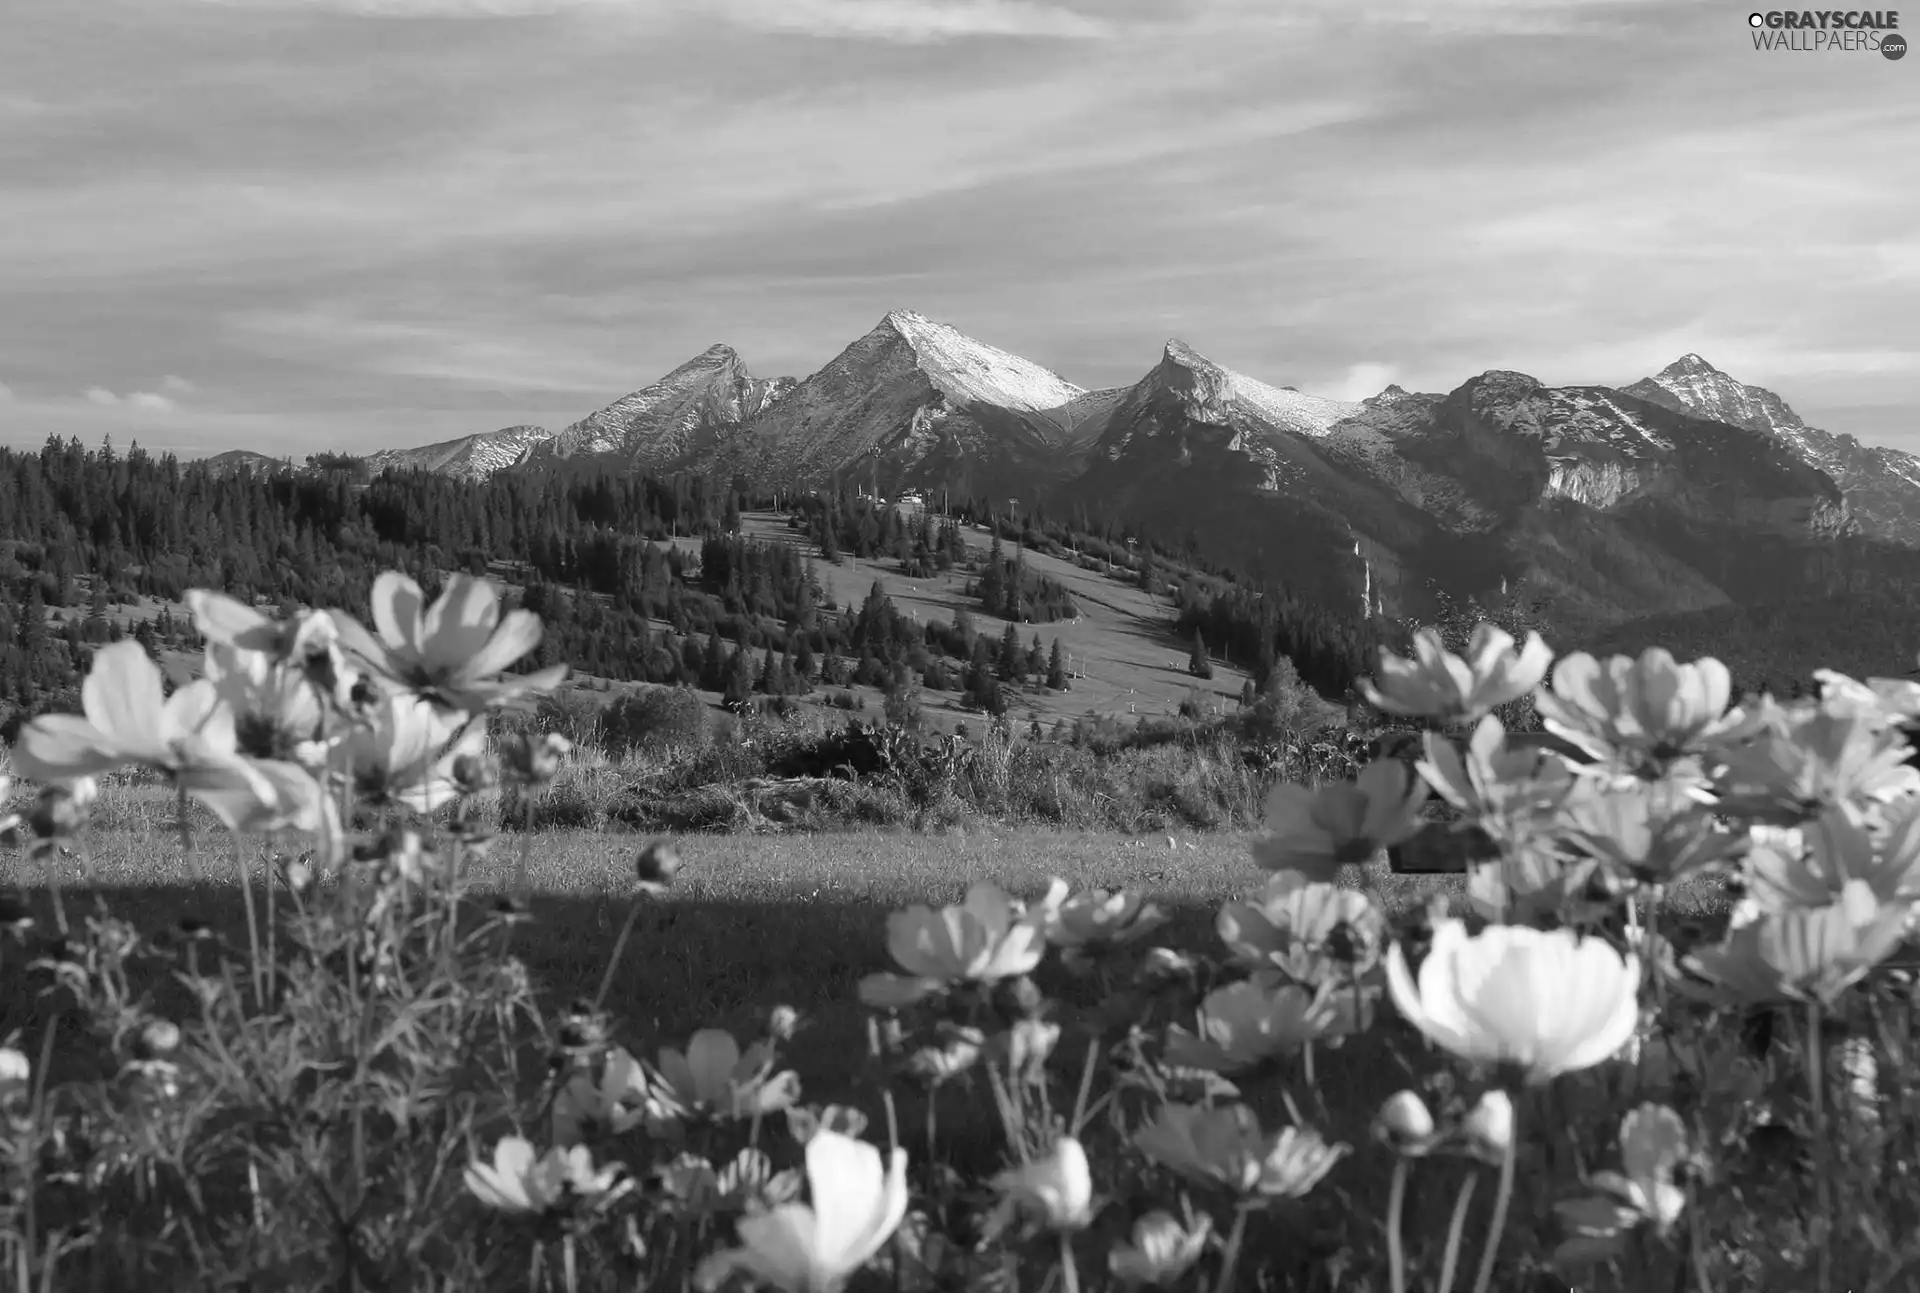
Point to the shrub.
(656, 719)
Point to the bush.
(656, 719)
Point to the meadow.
(350, 1010)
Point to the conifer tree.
(1057, 668)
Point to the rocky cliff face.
(1881, 485)
(666, 425)
(471, 457)
(914, 403)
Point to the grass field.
(752, 921)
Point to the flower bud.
(56, 814)
(1030, 1043)
(1489, 1127)
(159, 1037)
(16, 1075)
(783, 1023)
(534, 760)
(473, 773)
(1405, 1124)
(656, 865)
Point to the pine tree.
(1057, 668)
(738, 689)
(1197, 663)
(1036, 658)
(1013, 661)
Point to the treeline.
(93, 540)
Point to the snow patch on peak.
(1283, 407)
(969, 371)
(1690, 365)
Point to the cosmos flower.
(1549, 1002)
(276, 711)
(715, 1078)
(1162, 1250)
(1653, 1145)
(453, 652)
(405, 752)
(518, 1182)
(1313, 932)
(187, 737)
(1053, 1192)
(1801, 953)
(1435, 683)
(856, 1205)
(1094, 921)
(1316, 832)
(1805, 757)
(1247, 1023)
(1222, 1145)
(1650, 708)
(306, 647)
(985, 939)
(616, 1102)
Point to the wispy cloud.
(913, 21)
(353, 221)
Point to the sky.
(294, 225)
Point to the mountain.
(1882, 485)
(915, 403)
(237, 459)
(1599, 504)
(471, 457)
(662, 427)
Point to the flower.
(1801, 954)
(1509, 791)
(1807, 757)
(452, 652)
(1887, 701)
(1650, 708)
(1223, 1145)
(715, 1078)
(856, 1206)
(616, 1102)
(1550, 1002)
(1652, 832)
(1438, 684)
(1094, 921)
(1488, 1126)
(1162, 1250)
(1316, 933)
(1653, 1144)
(1810, 866)
(1053, 1192)
(518, 1182)
(406, 751)
(988, 937)
(1406, 1125)
(1316, 832)
(308, 645)
(275, 710)
(1247, 1023)
(188, 737)
(16, 1075)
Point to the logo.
(1814, 31)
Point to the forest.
(97, 543)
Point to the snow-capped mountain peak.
(1211, 385)
(664, 422)
(969, 371)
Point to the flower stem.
(619, 946)
(1456, 1229)
(187, 850)
(1822, 1157)
(1069, 1270)
(253, 925)
(1235, 1238)
(1497, 1224)
(1396, 1206)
